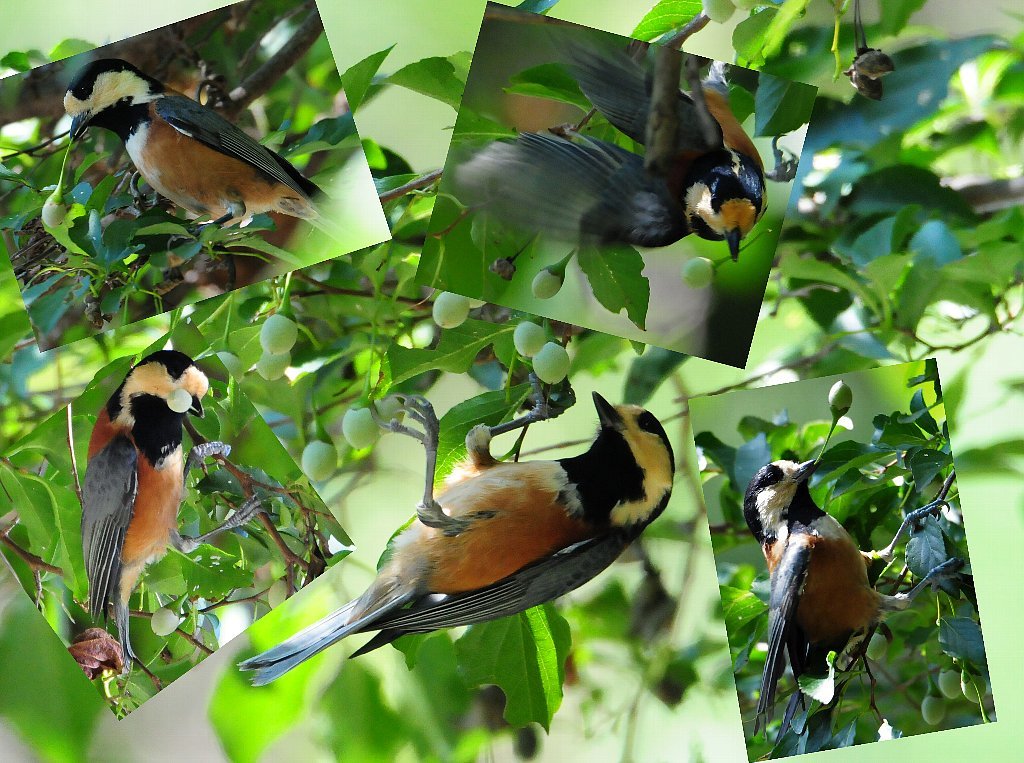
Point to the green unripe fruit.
(933, 710)
(551, 363)
(528, 339)
(475, 303)
(179, 401)
(450, 310)
(698, 272)
(719, 11)
(54, 209)
(278, 334)
(271, 366)
(232, 363)
(546, 284)
(359, 428)
(840, 398)
(949, 683)
(877, 647)
(164, 622)
(319, 460)
(277, 593)
(969, 689)
(389, 408)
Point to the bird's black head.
(771, 493)
(724, 197)
(625, 479)
(105, 86)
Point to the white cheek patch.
(698, 200)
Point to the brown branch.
(261, 80)
(677, 39)
(329, 289)
(183, 633)
(663, 112)
(413, 185)
(33, 561)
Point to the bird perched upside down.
(187, 152)
(820, 594)
(502, 537)
(593, 191)
(135, 480)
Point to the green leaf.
(43, 694)
(357, 78)
(454, 353)
(739, 607)
(820, 688)
(748, 35)
(537, 6)
(549, 81)
(666, 16)
(717, 451)
(896, 14)
(892, 188)
(441, 78)
(647, 372)
(751, 456)
(926, 465)
(363, 726)
(926, 548)
(960, 637)
(780, 105)
(524, 655)
(269, 711)
(490, 408)
(935, 242)
(616, 276)
(780, 26)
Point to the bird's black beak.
(197, 407)
(732, 238)
(609, 417)
(79, 123)
(805, 470)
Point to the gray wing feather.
(787, 581)
(535, 584)
(209, 127)
(620, 88)
(588, 189)
(108, 501)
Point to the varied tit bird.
(820, 594)
(503, 536)
(594, 191)
(187, 152)
(135, 480)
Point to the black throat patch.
(605, 476)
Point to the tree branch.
(261, 80)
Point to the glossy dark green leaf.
(616, 275)
(960, 637)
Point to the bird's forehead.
(788, 468)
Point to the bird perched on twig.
(710, 182)
(135, 481)
(820, 594)
(187, 152)
(502, 537)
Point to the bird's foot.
(785, 167)
(432, 515)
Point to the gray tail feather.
(276, 661)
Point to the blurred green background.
(986, 434)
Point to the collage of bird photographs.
(555, 380)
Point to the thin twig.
(74, 459)
(33, 561)
(676, 40)
(413, 185)
(261, 80)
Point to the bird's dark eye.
(648, 423)
(769, 475)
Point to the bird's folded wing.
(108, 500)
(787, 580)
(207, 126)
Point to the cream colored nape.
(108, 89)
